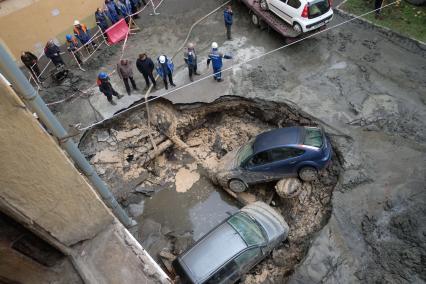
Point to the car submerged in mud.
(276, 154)
(232, 248)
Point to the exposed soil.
(118, 150)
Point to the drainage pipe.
(23, 87)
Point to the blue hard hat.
(68, 37)
(103, 75)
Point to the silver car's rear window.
(247, 228)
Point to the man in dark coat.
(106, 88)
(52, 52)
(101, 19)
(113, 11)
(30, 61)
(190, 57)
(146, 67)
(228, 15)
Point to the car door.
(248, 259)
(292, 10)
(284, 161)
(279, 7)
(227, 274)
(257, 168)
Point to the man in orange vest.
(82, 33)
(72, 46)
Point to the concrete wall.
(28, 24)
(37, 178)
(42, 190)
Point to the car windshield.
(313, 137)
(247, 228)
(245, 152)
(317, 8)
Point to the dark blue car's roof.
(277, 137)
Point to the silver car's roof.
(213, 251)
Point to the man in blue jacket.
(112, 11)
(216, 58)
(101, 19)
(165, 69)
(190, 57)
(227, 15)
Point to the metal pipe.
(23, 87)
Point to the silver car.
(235, 246)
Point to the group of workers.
(164, 68)
(111, 13)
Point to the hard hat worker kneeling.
(216, 58)
(106, 88)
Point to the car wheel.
(237, 185)
(308, 173)
(264, 5)
(298, 28)
(255, 20)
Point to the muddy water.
(197, 210)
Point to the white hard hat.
(215, 45)
(190, 45)
(76, 22)
(162, 59)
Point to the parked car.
(276, 154)
(232, 248)
(302, 15)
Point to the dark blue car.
(276, 154)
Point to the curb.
(404, 41)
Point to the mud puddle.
(173, 198)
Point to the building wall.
(37, 178)
(42, 190)
(29, 24)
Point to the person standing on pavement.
(165, 70)
(216, 58)
(106, 88)
(146, 67)
(82, 33)
(125, 71)
(228, 17)
(72, 47)
(101, 19)
(125, 9)
(52, 52)
(31, 62)
(190, 58)
(378, 8)
(112, 11)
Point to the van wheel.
(255, 20)
(237, 185)
(308, 173)
(264, 5)
(297, 28)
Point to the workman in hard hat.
(165, 69)
(72, 47)
(125, 71)
(52, 51)
(113, 11)
(190, 57)
(228, 18)
(82, 33)
(106, 88)
(216, 58)
(101, 19)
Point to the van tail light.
(305, 11)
